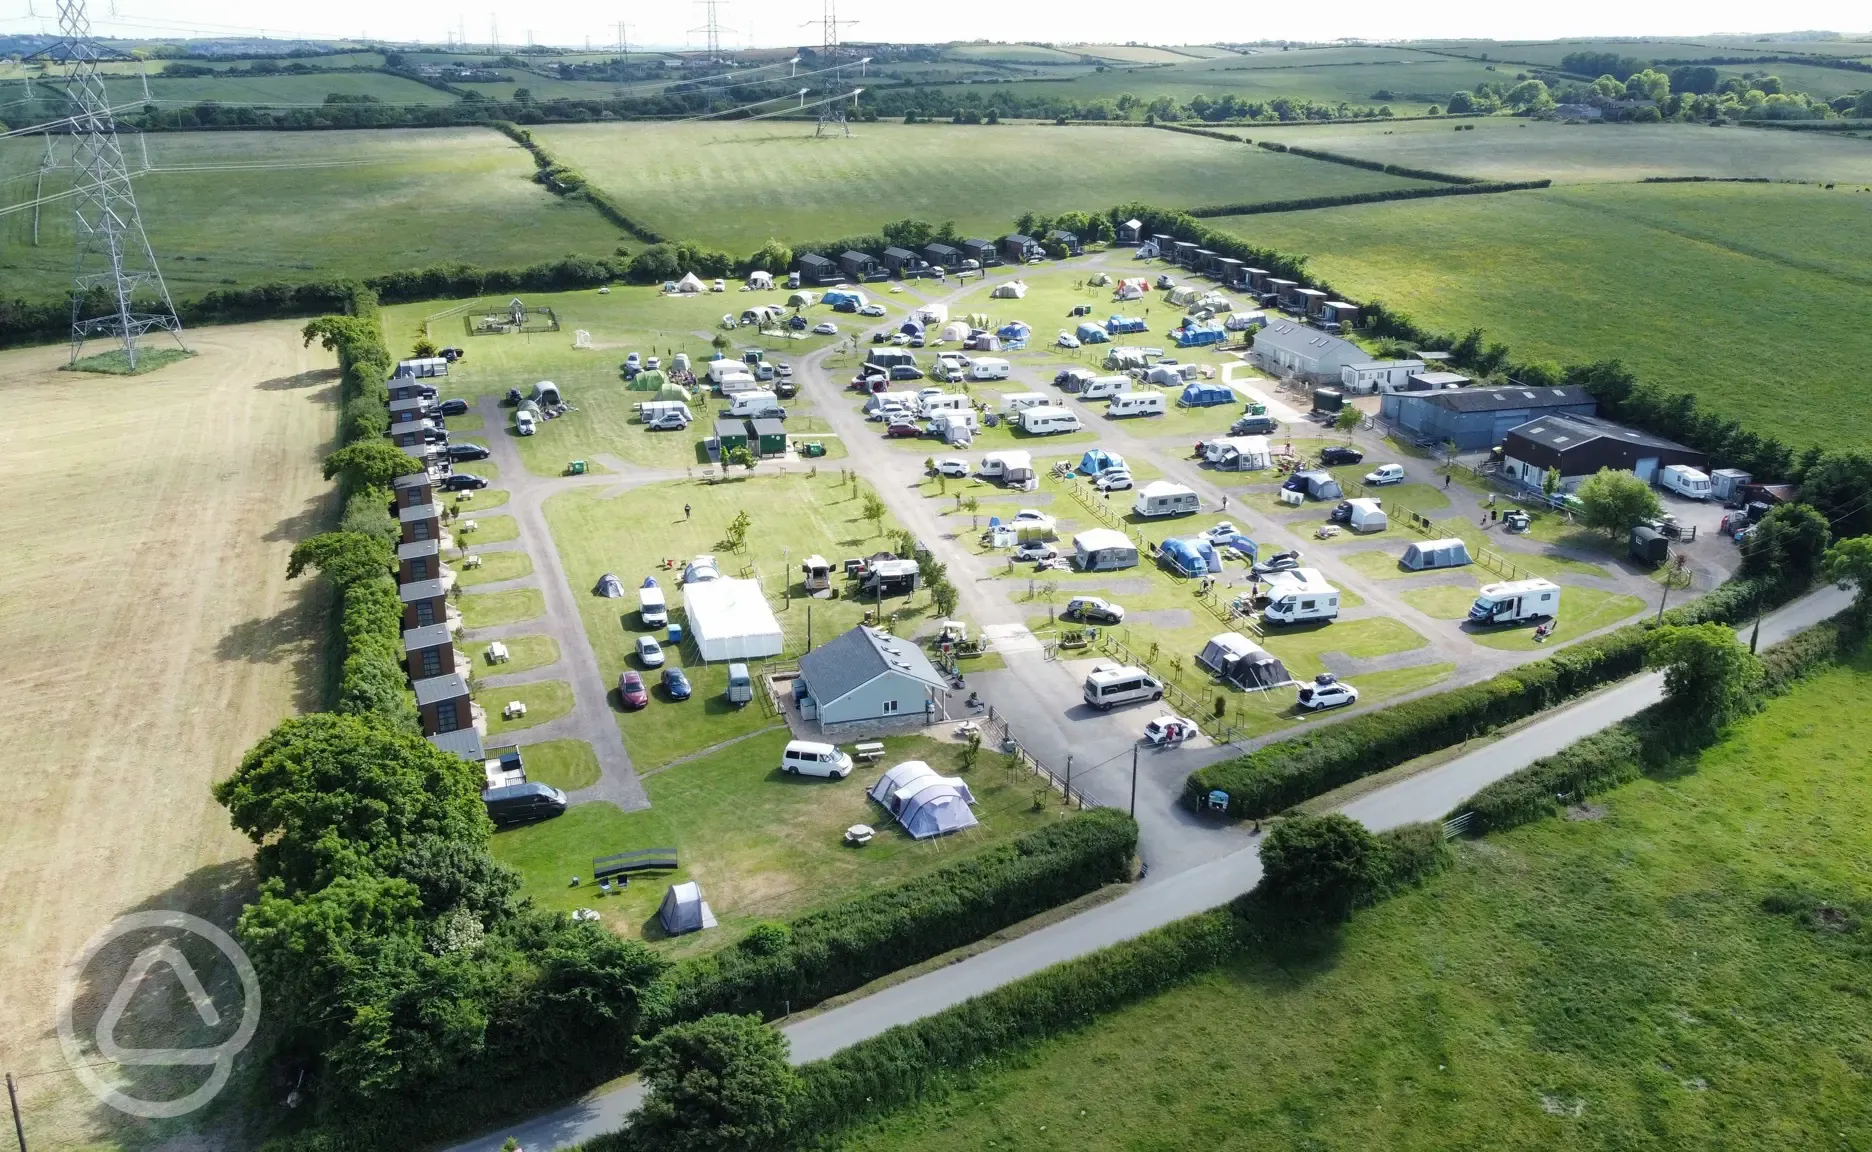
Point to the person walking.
(685, 511)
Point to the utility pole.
(1134, 755)
(1069, 777)
(19, 1128)
(831, 113)
(712, 29)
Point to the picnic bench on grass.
(871, 750)
(642, 860)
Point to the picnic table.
(870, 750)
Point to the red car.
(631, 691)
(899, 431)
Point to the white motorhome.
(1686, 481)
(652, 609)
(1162, 498)
(989, 368)
(756, 402)
(1020, 401)
(1109, 685)
(1515, 601)
(1105, 387)
(1301, 595)
(1137, 404)
(1048, 420)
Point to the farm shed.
(860, 265)
(413, 488)
(1378, 376)
(905, 264)
(1578, 446)
(925, 802)
(769, 437)
(425, 602)
(869, 676)
(816, 269)
(1242, 662)
(729, 620)
(1648, 546)
(945, 256)
(1287, 348)
(1103, 549)
(1477, 419)
(1424, 555)
(983, 252)
(419, 560)
(684, 910)
(430, 651)
(444, 704)
(730, 435)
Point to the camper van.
(1021, 401)
(1109, 685)
(652, 610)
(807, 758)
(520, 803)
(1163, 498)
(1303, 596)
(1048, 420)
(756, 403)
(1105, 387)
(1685, 481)
(1515, 601)
(1137, 404)
(989, 368)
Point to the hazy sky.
(778, 22)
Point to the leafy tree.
(1862, 107)
(744, 456)
(721, 342)
(341, 557)
(1348, 419)
(1839, 484)
(1461, 102)
(1789, 542)
(1529, 94)
(772, 256)
(973, 507)
(719, 1084)
(1647, 85)
(1615, 501)
(874, 512)
(738, 529)
(373, 462)
(1849, 564)
(1708, 673)
(1318, 867)
(944, 596)
(425, 349)
(1550, 482)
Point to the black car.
(468, 452)
(906, 372)
(1342, 513)
(1254, 426)
(786, 389)
(453, 354)
(435, 436)
(1340, 455)
(454, 408)
(523, 803)
(675, 684)
(462, 482)
(512, 399)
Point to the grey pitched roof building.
(421, 590)
(868, 674)
(464, 742)
(1284, 346)
(438, 688)
(428, 636)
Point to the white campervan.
(807, 758)
(1162, 498)
(1515, 601)
(651, 607)
(989, 368)
(757, 402)
(1048, 420)
(1109, 685)
(1686, 481)
(1104, 387)
(1300, 595)
(1020, 401)
(1137, 404)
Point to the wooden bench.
(642, 860)
(872, 750)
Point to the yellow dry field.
(150, 636)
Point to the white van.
(758, 402)
(1048, 420)
(1162, 498)
(1104, 387)
(652, 609)
(1686, 481)
(1515, 601)
(1137, 404)
(523, 423)
(806, 758)
(1021, 401)
(1109, 685)
(989, 368)
(1301, 595)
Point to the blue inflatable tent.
(1190, 556)
(1198, 335)
(1097, 460)
(1202, 394)
(1093, 334)
(1121, 325)
(839, 296)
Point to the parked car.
(676, 684)
(522, 803)
(1279, 562)
(784, 369)
(1035, 550)
(454, 408)
(1339, 454)
(871, 310)
(1067, 339)
(649, 652)
(786, 389)
(1342, 512)
(653, 364)
(906, 372)
(1112, 480)
(953, 467)
(454, 354)
(1327, 692)
(1032, 515)
(1385, 474)
(1254, 426)
(902, 430)
(825, 328)
(631, 691)
(718, 286)
(1226, 530)
(1094, 610)
(796, 322)
(463, 482)
(1170, 729)
(468, 452)
(809, 758)
(512, 398)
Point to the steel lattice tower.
(114, 254)
(831, 116)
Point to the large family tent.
(1242, 453)
(1320, 484)
(690, 284)
(684, 910)
(648, 381)
(1245, 321)
(1427, 554)
(1097, 460)
(609, 586)
(1121, 325)
(1098, 279)
(851, 296)
(672, 391)
(546, 392)
(1090, 333)
(1190, 556)
(912, 328)
(932, 314)
(730, 620)
(1204, 394)
(1193, 335)
(1367, 515)
(760, 281)
(1183, 296)
(925, 802)
(700, 569)
(955, 330)
(801, 299)
(1012, 290)
(1014, 331)
(1242, 662)
(762, 314)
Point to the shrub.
(1318, 867)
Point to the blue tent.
(1190, 556)
(1120, 325)
(1097, 460)
(1014, 330)
(912, 327)
(1197, 335)
(1093, 334)
(1206, 395)
(839, 296)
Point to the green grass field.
(544, 700)
(495, 567)
(312, 206)
(1576, 274)
(733, 186)
(523, 653)
(486, 609)
(565, 764)
(1616, 981)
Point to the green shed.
(730, 435)
(771, 435)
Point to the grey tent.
(546, 392)
(925, 802)
(1320, 484)
(684, 910)
(1427, 554)
(609, 586)
(1242, 662)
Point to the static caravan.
(1304, 595)
(1105, 387)
(1138, 404)
(1021, 401)
(1162, 498)
(1048, 420)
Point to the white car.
(1067, 339)
(718, 286)
(1170, 729)
(871, 310)
(900, 340)
(1385, 474)
(953, 467)
(1223, 531)
(1031, 514)
(825, 328)
(1094, 610)
(1035, 550)
(1327, 692)
(649, 652)
(928, 393)
(1112, 480)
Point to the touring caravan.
(1516, 601)
(1162, 498)
(1302, 596)
(756, 402)
(1686, 481)
(989, 368)
(1013, 467)
(1137, 404)
(1021, 401)
(1048, 420)
(1105, 387)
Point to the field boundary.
(1377, 197)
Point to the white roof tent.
(730, 620)
(926, 803)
